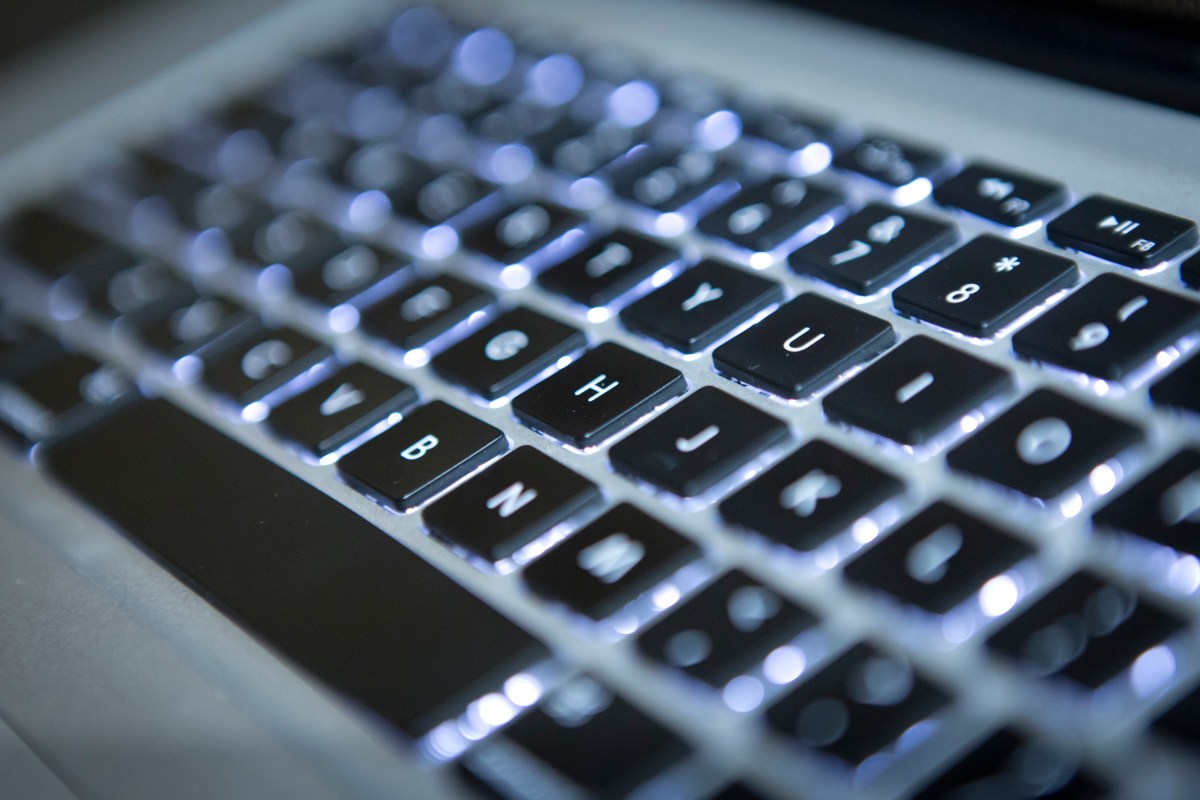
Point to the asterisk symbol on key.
(1006, 264)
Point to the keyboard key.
(188, 322)
(984, 285)
(612, 561)
(517, 231)
(947, 555)
(50, 390)
(607, 268)
(1189, 271)
(511, 503)
(507, 352)
(423, 454)
(799, 134)
(1164, 506)
(605, 390)
(891, 161)
(1177, 388)
(578, 147)
(1181, 721)
(1043, 445)
(587, 736)
(917, 391)
(348, 275)
(424, 310)
(1109, 328)
(298, 241)
(1000, 194)
(1128, 234)
(857, 705)
(1009, 765)
(440, 198)
(309, 578)
(697, 443)
(254, 366)
(331, 414)
(701, 306)
(1087, 630)
(124, 284)
(873, 247)
(810, 496)
(667, 180)
(47, 241)
(802, 346)
(725, 629)
(767, 216)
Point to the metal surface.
(104, 643)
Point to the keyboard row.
(1111, 328)
(753, 646)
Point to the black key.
(725, 629)
(891, 161)
(510, 504)
(812, 495)
(701, 306)
(984, 285)
(1164, 506)
(916, 391)
(1008, 765)
(666, 180)
(767, 216)
(507, 352)
(857, 705)
(792, 131)
(1086, 629)
(1000, 194)
(737, 791)
(298, 241)
(577, 148)
(47, 241)
(53, 390)
(348, 275)
(309, 578)
(424, 310)
(803, 345)
(1182, 720)
(605, 390)
(612, 561)
(1189, 271)
(249, 115)
(331, 414)
(187, 323)
(873, 247)
(517, 231)
(1108, 328)
(596, 741)
(256, 365)
(1128, 234)
(947, 555)
(1178, 388)
(1043, 445)
(607, 268)
(437, 198)
(124, 285)
(697, 443)
(424, 453)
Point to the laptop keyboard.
(816, 435)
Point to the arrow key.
(1127, 234)
(348, 403)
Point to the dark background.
(1149, 49)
